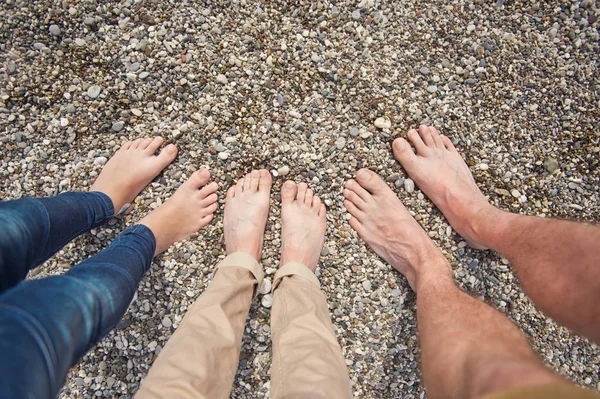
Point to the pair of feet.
(192, 206)
(378, 216)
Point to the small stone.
(284, 170)
(136, 112)
(102, 365)
(354, 132)
(265, 288)
(90, 22)
(392, 178)
(367, 285)
(167, 322)
(432, 89)
(223, 155)
(144, 75)
(12, 67)
(295, 114)
(94, 91)
(64, 122)
(340, 143)
(117, 126)
(54, 30)
(222, 79)
(80, 42)
(551, 164)
(383, 123)
(396, 292)
(515, 193)
(409, 185)
(356, 15)
(134, 67)
(267, 301)
(424, 70)
(100, 161)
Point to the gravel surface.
(311, 90)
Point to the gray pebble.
(366, 285)
(551, 164)
(54, 30)
(354, 131)
(409, 185)
(424, 70)
(134, 67)
(432, 88)
(94, 91)
(118, 126)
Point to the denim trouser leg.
(32, 230)
(47, 325)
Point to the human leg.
(32, 230)
(200, 359)
(46, 325)
(555, 260)
(307, 359)
(468, 348)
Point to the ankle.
(436, 273)
(481, 222)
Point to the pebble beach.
(312, 91)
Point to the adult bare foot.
(385, 224)
(246, 213)
(132, 167)
(186, 212)
(303, 225)
(442, 174)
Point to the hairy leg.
(468, 348)
(556, 261)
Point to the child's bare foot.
(246, 213)
(132, 167)
(384, 223)
(442, 174)
(186, 212)
(303, 225)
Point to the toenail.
(349, 183)
(288, 185)
(363, 175)
(412, 131)
(399, 145)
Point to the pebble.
(12, 67)
(80, 42)
(222, 79)
(94, 91)
(166, 322)
(295, 114)
(396, 292)
(366, 285)
(354, 132)
(432, 88)
(424, 70)
(340, 143)
(267, 301)
(101, 161)
(409, 185)
(134, 67)
(118, 126)
(383, 123)
(223, 155)
(136, 112)
(551, 164)
(283, 171)
(515, 193)
(265, 288)
(54, 30)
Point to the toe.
(209, 210)
(308, 197)
(448, 143)
(353, 210)
(288, 192)
(436, 137)
(404, 153)
(126, 145)
(198, 178)
(231, 192)
(209, 200)
(254, 180)
(371, 181)
(145, 143)
(247, 182)
(265, 181)
(356, 225)
(239, 187)
(167, 155)
(352, 185)
(154, 145)
(316, 203)
(302, 188)
(322, 211)
(136, 143)
(426, 136)
(206, 220)
(208, 190)
(417, 141)
(354, 198)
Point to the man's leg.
(307, 359)
(468, 348)
(46, 325)
(32, 230)
(200, 359)
(556, 261)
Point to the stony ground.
(296, 87)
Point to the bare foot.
(384, 223)
(303, 225)
(246, 213)
(132, 167)
(186, 212)
(442, 174)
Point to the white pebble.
(167, 322)
(383, 123)
(409, 185)
(295, 114)
(267, 301)
(222, 79)
(284, 170)
(265, 288)
(223, 155)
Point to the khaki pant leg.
(201, 358)
(307, 359)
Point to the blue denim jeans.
(47, 325)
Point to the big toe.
(403, 152)
(288, 192)
(370, 181)
(266, 181)
(199, 178)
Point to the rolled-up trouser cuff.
(246, 261)
(298, 269)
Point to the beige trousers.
(201, 358)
